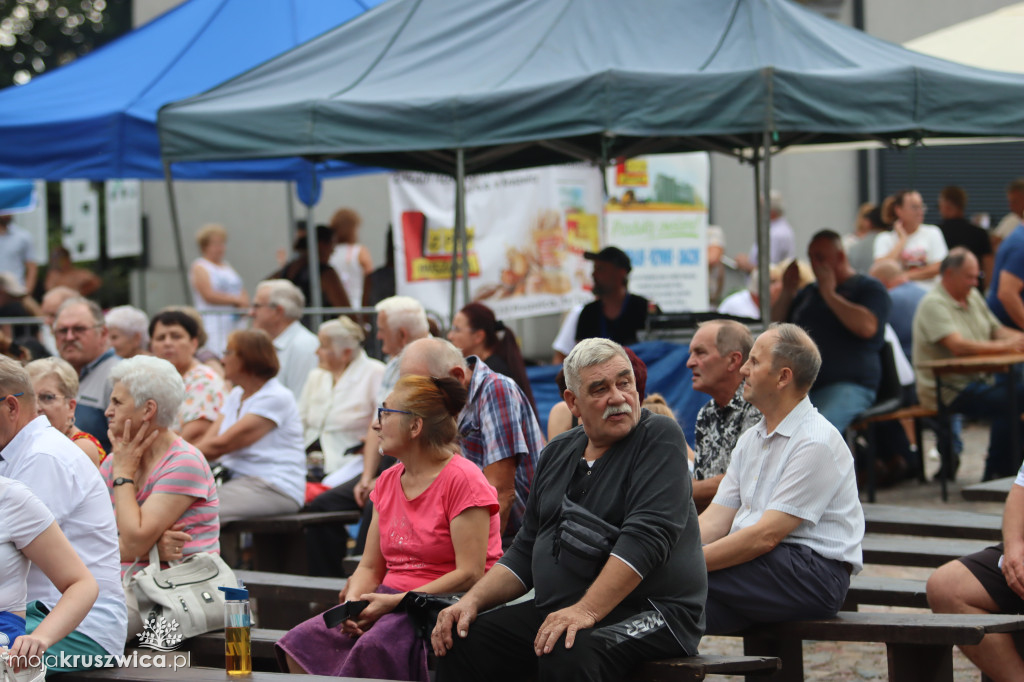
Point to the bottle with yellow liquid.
(237, 621)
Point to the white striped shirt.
(804, 468)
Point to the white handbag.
(166, 606)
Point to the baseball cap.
(612, 255)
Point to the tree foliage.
(39, 35)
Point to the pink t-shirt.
(182, 471)
(415, 535)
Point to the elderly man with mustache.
(80, 331)
(610, 542)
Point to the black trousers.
(500, 647)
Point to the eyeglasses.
(381, 411)
(18, 395)
(256, 306)
(61, 332)
(48, 398)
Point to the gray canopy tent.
(468, 86)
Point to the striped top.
(182, 471)
(803, 468)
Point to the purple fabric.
(389, 650)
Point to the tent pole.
(176, 228)
(763, 231)
(313, 253)
(460, 219)
(290, 207)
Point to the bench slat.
(943, 523)
(882, 591)
(896, 550)
(989, 491)
(289, 523)
(697, 667)
(897, 628)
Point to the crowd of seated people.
(189, 437)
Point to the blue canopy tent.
(95, 118)
(17, 196)
(458, 86)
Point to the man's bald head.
(432, 357)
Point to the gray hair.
(955, 260)
(775, 201)
(794, 348)
(14, 379)
(285, 295)
(405, 312)
(343, 333)
(94, 309)
(731, 337)
(587, 353)
(130, 320)
(58, 368)
(148, 378)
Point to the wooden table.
(1002, 363)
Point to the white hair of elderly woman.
(149, 378)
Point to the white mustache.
(611, 410)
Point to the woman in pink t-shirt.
(435, 529)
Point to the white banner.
(527, 231)
(123, 218)
(80, 220)
(657, 213)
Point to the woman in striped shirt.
(157, 480)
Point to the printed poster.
(80, 220)
(124, 218)
(657, 213)
(527, 230)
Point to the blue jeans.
(840, 402)
(990, 401)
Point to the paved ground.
(855, 661)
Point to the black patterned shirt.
(718, 429)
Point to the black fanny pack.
(583, 540)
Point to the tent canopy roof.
(529, 82)
(96, 117)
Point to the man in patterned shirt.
(717, 351)
(783, 534)
(498, 430)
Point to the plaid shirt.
(498, 423)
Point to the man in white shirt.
(276, 309)
(70, 485)
(783, 534)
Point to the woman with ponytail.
(476, 331)
(434, 529)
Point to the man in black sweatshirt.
(610, 543)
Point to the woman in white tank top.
(216, 286)
(350, 259)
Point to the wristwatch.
(121, 480)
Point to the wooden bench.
(885, 591)
(989, 491)
(866, 426)
(918, 646)
(280, 600)
(895, 550)
(278, 542)
(208, 650)
(937, 523)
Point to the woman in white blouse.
(29, 534)
(339, 398)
